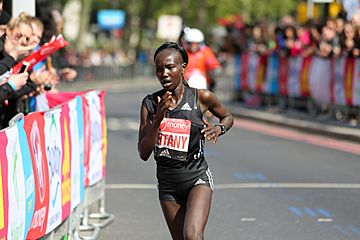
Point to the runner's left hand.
(211, 132)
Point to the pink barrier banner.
(87, 132)
(4, 202)
(283, 75)
(34, 126)
(17, 183)
(244, 72)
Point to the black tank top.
(169, 154)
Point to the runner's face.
(169, 69)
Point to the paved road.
(271, 183)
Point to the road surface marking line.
(251, 186)
(248, 219)
(326, 220)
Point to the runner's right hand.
(163, 104)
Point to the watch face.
(223, 129)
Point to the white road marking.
(325, 220)
(116, 124)
(130, 186)
(248, 219)
(251, 186)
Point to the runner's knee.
(193, 233)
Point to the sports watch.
(222, 127)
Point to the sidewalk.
(290, 119)
(297, 121)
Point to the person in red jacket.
(203, 67)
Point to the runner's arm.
(208, 101)
(148, 131)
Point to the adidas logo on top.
(186, 107)
(164, 153)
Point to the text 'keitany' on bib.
(173, 139)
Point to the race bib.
(173, 139)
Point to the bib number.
(173, 139)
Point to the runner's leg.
(174, 214)
(197, 213)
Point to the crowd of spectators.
(19, 37)
(334, 37)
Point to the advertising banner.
(304, 77)
(104, 131)
(77, 151)
(339, 85)
(54, 153)
(356, 83)
(16, 186)
(66, 161)
(253, 71)
(293, 84)
(96, 153)
(320, 80)
(260, 73)
(244, 72)
(271, 85)
(87, 132)
(283, 75)
(349, 78)
(34, 127)
(237, 67)
(28, 173)
(4, 198)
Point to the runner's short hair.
(176, 47)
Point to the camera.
(47, 86)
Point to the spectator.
(292, 42)
(329, 43)
(4, 20)
(203, 64)
(348, 40)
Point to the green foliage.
(142, 15)
(250, 9)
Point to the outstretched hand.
(211, 132)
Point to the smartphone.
(24, 67)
